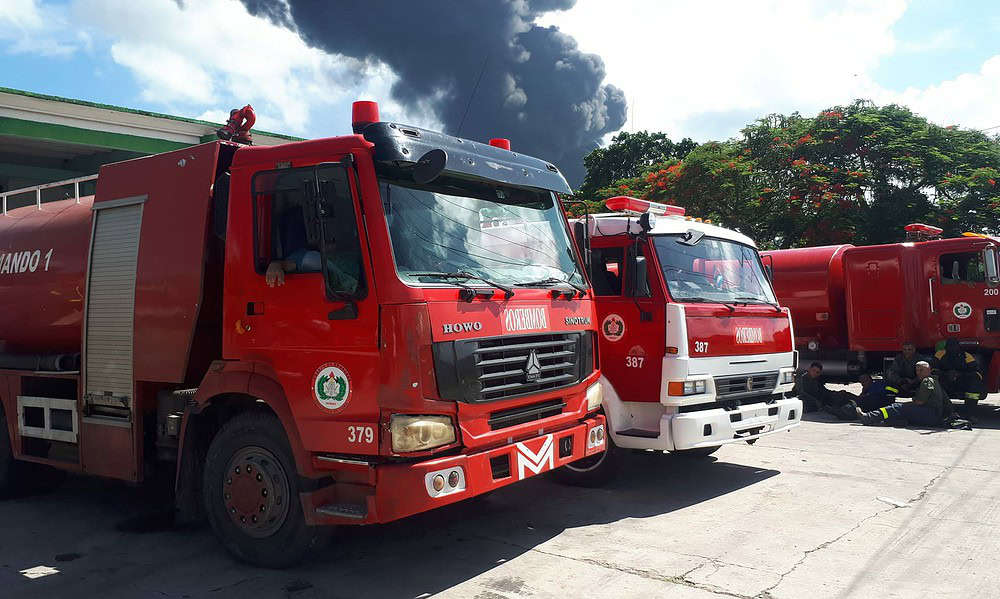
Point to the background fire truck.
(854, 307)
(413, 356)
(695, 352)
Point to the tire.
(593, 471)
(696, 453)
(232, 493)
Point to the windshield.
(507, 235)
(712, 270)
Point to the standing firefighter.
(926, 409)
(958, 372)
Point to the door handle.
(930, 292)
(255, 308)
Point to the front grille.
(522, 414)
(478, 370)
(745, 385)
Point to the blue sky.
(726, 62)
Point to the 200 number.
(360, 434)
(991, 291)
(634, 361)
(701, 347)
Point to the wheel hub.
(256, 492)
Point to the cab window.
(966, 267)
(304, 219)
(606, 270)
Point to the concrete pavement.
(830, 509)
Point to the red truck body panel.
(810, 282)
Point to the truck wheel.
(251, 493)
(697, 452)
(592, 471)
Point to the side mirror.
(638, 277)
(768, 264)
(990, 259)
(646, 222)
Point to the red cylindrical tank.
(810, 282)
(43, 259)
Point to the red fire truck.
(339, 331)
(854, 307)
(695, 351)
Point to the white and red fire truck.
(694, 350)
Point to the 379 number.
(701, 347)
(360, 434)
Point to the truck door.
(964, 295)
(318, 328)
(630, 318)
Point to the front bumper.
(708, 428)
(397, 490)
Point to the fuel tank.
(810, 282)
(43, 257)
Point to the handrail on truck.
(38, 190)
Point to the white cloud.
(211, 54)
(705, 69)
(29, 28)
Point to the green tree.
(851, 174)
(627, 156)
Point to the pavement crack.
(766, 593)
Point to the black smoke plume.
(534, 85)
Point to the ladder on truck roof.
(37, 189)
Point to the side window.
(304, 222)
(966, 267)
(607, 268)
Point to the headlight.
(686, 387)
(595, 396)
(787, 377)
(417, 433)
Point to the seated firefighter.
(958, 372)
(811, 389)
(874, 393)
(901, 378)
(929, 406)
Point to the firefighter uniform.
(901, 380)
(926, 409)
(959, 373)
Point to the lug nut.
(259, 477)
(263, 492)
(237, 470)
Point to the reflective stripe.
(885, 413)
(891, 389)
(971, 395)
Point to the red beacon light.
(500, 142)
(363, 112)
(920, 231)
(637, 206)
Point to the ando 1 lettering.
(12, 263)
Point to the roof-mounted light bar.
(632, 205)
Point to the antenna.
(472, 96)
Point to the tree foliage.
(851, 174)
(627, 156)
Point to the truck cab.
(695, 352)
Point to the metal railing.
(37, 189)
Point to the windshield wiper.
(705, 300)
(549, 281)
(745, 300)
(466, 276)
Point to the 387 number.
(701, 347)
(634, 361)
(360, 434)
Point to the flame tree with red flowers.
(851, 174)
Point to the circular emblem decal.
(962, 310)
(613, 327)
(331, 386)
